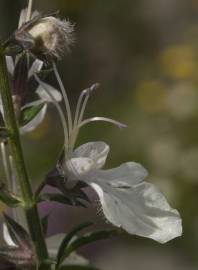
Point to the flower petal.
(134, 205)
(76, 167)
(33, 103)
(53, 243)
(1, 107)
(96, 151)
(7, 237)
(10, 64)
(45, 97)
(37, 120)
(35, 68)
(22, 17)
(34, 14)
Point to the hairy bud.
(46, 36)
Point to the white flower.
(72, 125)
(43, 99)
(127, 200)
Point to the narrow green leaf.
(44, 222)
(28, 113)
(55, 197)
(77, 267)
(89, 238)
(9, 198)
(61, 198)
(4, 133)
(84, 240)
(48, 262)
(68, 238)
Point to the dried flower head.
(46, 36)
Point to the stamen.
(91, 89)
(104, 119)
(5, 164)
(83, 93)
(75, 130)
(65, 97)
(29, 10)
(80, 109)
(61, 114)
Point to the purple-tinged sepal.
(19, 251)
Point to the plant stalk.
(29, 10)
(30, 207)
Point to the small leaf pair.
(9, 198)
(4, 133)
(72, 242)
(71, 196)
(29, 113)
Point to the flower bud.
(19, 251)
(46, 36)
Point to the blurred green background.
(145, 55)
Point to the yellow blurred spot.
(188, 164)
(151, 96)
(183, 100)
(194, 3)
(179, 62)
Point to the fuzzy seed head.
(52, 36)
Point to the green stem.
(30, 208)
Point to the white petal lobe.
(45, 97)
(22, 17)
(134, 205)
(97, 151)
(76, 167)
(10, 64)
(7, 237)
(35, 68)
